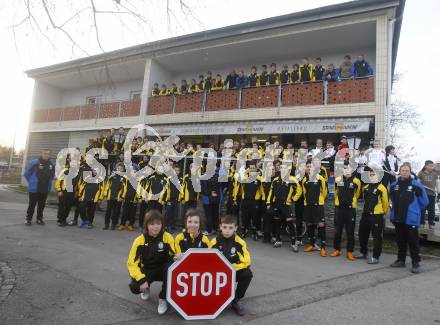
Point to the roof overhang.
(297, 18)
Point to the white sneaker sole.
(145, 296)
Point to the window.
(93, 100)
(135, 95)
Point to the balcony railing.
(312, 93)
(88, 112)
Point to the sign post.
(201, 284)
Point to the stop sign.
(201, 284)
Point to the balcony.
(88, 112)
(290, 95)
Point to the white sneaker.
(162, 307)
(146, 294)
(294, 247)
(277, 244)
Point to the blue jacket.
(363, 66)
(35, 172)
(331, 76)
(408, 200)
(241, 82)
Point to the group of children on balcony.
(306, 72)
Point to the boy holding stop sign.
(235, 250)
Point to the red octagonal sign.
(201, 284)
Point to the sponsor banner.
(294, 126)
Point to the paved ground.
(71, 276)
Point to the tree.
(403, 116)
(88, 26)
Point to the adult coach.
(408, 198)
(39, 174)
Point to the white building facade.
(73, 100)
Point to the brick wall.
(40, 115)
(303, 94)
(260, 97)
(71, 113)
(88, 112)
(109, 110)
(222, 100)
(160, 105)
(189, 103)
(130, 108)
(351, 91)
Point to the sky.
(417, 54)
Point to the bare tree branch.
(45, 20)
(96, 25)
(55, 26)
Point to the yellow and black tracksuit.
(201, 85)
(164, 92)
(233, 207)
(155, 92)
(318, 72)
(218, 85)
(173, 197)
(306, 73)
(294, 76)
(65, 199)
(262, 209)
(131, 198)
(115, 189)
(149, 259)
(142, 184)
(274, 78)
(155, 191)
(174, 91)
(264, 78)
(254, 80)
(315, 193)
(193, 89)
(250, 192)
(90, 191)
(347, 193)
(185, 241)
(236, 252)
(376, 205)
(189, 196)
(284, 77)
(208, 83)
(76, 182)
(282, 194)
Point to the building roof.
(297, 18)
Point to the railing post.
(205, 98)
(325, 85)
(174, 104)
(240, 93)
(119, 108)
(279, 99)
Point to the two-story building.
(75, 99)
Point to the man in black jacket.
(230, 81)
(39, 174)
